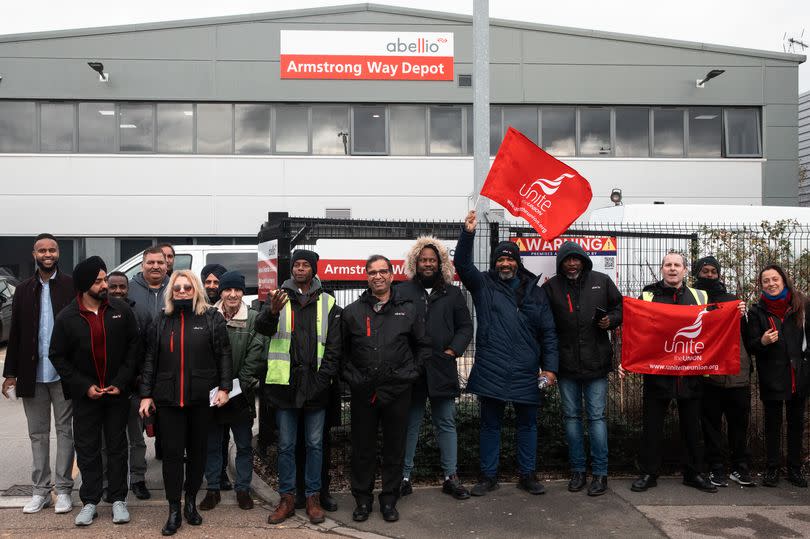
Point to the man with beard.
(516, 343)
(384, 347)
(660, 390)
(118, 287)
(728, 396)
(210, 275)
(586, 304)
(450, 328)
(96, 349)
(28, 369)
(149, 285)
(303, 323)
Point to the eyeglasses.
(381, 273)
(184, 287)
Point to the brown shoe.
(314, 511)
(212, 498)
(284, 510)
(244, 500)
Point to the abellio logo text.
(420, 45)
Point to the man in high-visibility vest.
(303, 323)
(659, 390)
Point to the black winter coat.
(383, 352)
(659, 386)
(309, 385)
(780, 362)
(187, 355)
(585, 349)
(22, 354)
(72, 355)
(448, 324)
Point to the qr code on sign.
(610, 262)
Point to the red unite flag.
(531, 184)
(680, 340)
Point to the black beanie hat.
(231, 279)
(216, 269)
(508, 249)
(86, 272)
(705, 261)
(310, 256)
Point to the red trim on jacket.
(98, 338)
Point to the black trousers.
(184, 431)
(733, 403)
(773, 431)
(226, 441)
(366, 419)
(655, 411)
(301, 458)
(93, 419)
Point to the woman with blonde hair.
(188, 354)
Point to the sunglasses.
(184, 287)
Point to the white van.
(241, 258)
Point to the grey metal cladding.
(782, 142)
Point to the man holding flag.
(659, 390)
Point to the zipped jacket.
(187, 355)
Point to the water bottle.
(543, 382)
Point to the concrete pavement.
(669, 510)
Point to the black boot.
(328, 503)
(193, 517)
(174, 521)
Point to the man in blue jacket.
(515, 337)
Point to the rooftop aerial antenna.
(790, 44)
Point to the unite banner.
(344, 55)
(680, 340)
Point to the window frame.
(729, 155)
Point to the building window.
(524, 119)
(330, 129)
(291, 129)
(632, 132)
(368, 130)
(175, 127)
(495, 129)
(558, 133)
(252, 129)
(705, 132)
(17, 120)
(594, 131)
(97, 128)
(407, 128)
(136, 124)
(214, 128)
(668, 132)
(742, 133)
(57, 131)
(445, 130)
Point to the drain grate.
(19, 490)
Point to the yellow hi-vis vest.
(278, 353)
(701, 297)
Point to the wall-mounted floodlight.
(98, 67)
(616, 197)
(700, 83)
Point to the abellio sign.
(314, 54)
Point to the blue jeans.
(490, 440)
(287, 421)
(594, 392)
(442, 413)
(242, 437)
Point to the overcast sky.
(742, 23)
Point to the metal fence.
(741, 250)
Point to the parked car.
(241, 258)
(6, 295)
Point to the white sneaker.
(37, 503)
(120, 512)
(86, 515)
(64, 504)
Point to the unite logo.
(536, 193)
(687, 346)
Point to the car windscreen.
(244, 263)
